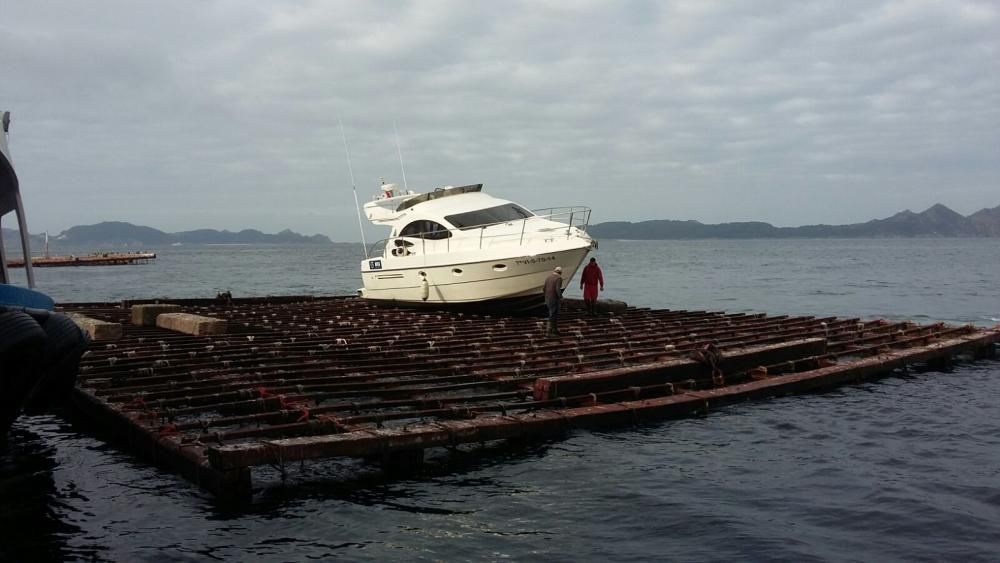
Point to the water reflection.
(29, 500)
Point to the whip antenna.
(354, 186)
(400, 151)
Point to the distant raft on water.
(100, 259)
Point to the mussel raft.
(270, 381)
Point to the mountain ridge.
(120, 233)
(936, 221)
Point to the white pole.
(400, 151)
(25, 239)
(354, 186)
(22, 220)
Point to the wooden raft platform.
(102, 259)
(301, 378)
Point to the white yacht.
(460, 246)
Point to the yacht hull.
(477, 279)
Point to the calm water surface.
(903, 469)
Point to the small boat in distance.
(460, 246)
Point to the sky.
(224, 114)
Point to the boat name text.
(536, 260)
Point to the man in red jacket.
(592, 277)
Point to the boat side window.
(425, 229)
(490, 216)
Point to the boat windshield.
(426, 230)
(489, 216)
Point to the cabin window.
(426, 230)
(491, 216)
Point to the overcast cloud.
(189, 114)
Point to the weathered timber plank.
(363, 443)
(96, 329)
(543, 423)
(166, 450)
(679, 369)
(187, 323)
(146, 313)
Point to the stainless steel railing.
(577, 217)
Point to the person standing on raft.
(589, 280)
(553, 298)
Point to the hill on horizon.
(936, 221)
(120, 233)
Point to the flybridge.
(439, 193)
(392, 201)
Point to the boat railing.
(577, 217)
(10, 200)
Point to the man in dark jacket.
(553, 298)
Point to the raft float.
(215, 388)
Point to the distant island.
(937, 221)
(117, 233)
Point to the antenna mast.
(353, 186)
(400, 151)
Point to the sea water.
(901, 469)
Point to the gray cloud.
(223, 114)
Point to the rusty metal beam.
(338, 377)
(674, 370)
(450, 433)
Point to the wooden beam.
(736, 360)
